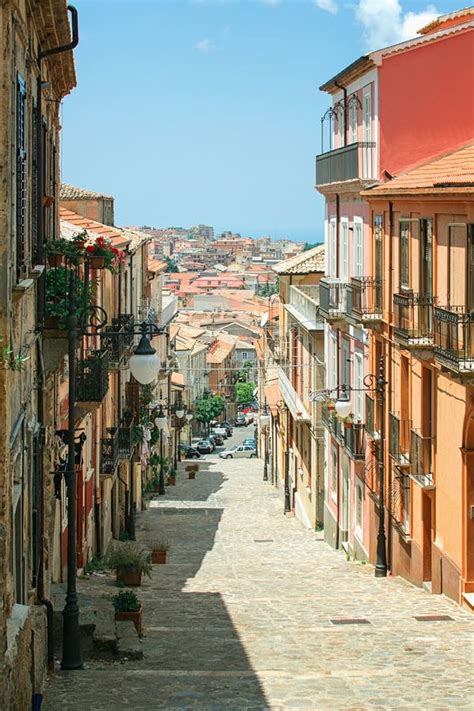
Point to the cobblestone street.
(242, 618)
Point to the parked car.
(240, 421)
(204, 446)
(242, 450)
(250, 442)
(249, 418)
(220, 431)
(189, 452)
(217, 438)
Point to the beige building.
(33, 82)
(295, 435)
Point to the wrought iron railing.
(326, 416)
(109, 452)
(366, 298)
(126, 441)
(421, 459)
(92, 380)
(354, 441)
(352, 162)
(332, 298)
(398, 438)
(413, 319)
(454, 338)
(121, 342)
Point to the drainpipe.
(339, 86)
(389, 378)
(40, 594)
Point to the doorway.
(427, 505)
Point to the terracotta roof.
(305, 263)
(219, 351)
(177, 379)
(442, 19)
(70, 192)
(96, 229)
(451, 172)
(156, 265)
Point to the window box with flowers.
(103, 255)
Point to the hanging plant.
(57, 302)
(103, 255)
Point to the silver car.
(242, 450)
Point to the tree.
(310, 245)
(244, 392)
(207, 408)
(243, 374)
(171, 265)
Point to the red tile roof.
(113, 233)
(452, 172)
(219, 351)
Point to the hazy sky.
(208, 111)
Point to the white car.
(242, 450)
(221, 431)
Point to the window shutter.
(20, 177)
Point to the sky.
(208, 111)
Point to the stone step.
(128, 641)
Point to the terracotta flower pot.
(131, 578)
(159, 557)
(348, 425)
(171, 481)
(97, 262)
(55, 260)
(135, 617)
(192, 475)
(79, 245)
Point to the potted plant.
(102, 254)
(159, 552)
(171, 481)
(348, 422)
(129, 561)
(192, 469)
(58, 282)
(331, 405)
(128, 607)
(79, 241)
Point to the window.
(378, 235)
(359, 509)
(245, 355)
(334, 473)
(353, 119)
(406, 502)
(332, 261)
(345, 363)
(20, 202)
(358, 248)
(367, 124)
(333, 372)
(344, 256)
(404, 254)
(358, 386)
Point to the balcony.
(420, 460)
(454, 339)
(126, 442)
(353, 162)
(413, 320)
(92, 381)
(291, 397)
(109, 452)
(121, 342)
(354, 441)
(303, 305)
(333, 298)
(399, 439)
(365, 300)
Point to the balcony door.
(426, 273)
(470, 269)
(344, 253)
(367, 130)
(378, 259)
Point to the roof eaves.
(358, 67)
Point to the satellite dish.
(264, 320)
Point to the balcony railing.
(303, 305)
(413, 320)
(109, 452)
(333, 298)
(353, 162)
(354, 441)
(454, 338)
(326, 416)
(121, 342)
(399, 439)
(365, 299)
(92, 380)
(420, 459)
(126, 442)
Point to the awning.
(293, 400)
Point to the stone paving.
(240, 618)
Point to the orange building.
(425, 222)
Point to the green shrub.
(126, 601)
(129, 557)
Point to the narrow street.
(241, 617)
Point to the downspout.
(40, 593)
(388, 470)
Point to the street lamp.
(160, 422)
(144, 363)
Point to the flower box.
(135, 617)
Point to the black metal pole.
(72, 657)
(265, 460)
(287, 508)
(161, 486)
(381, 562)
(131, 515)
(175, 453)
